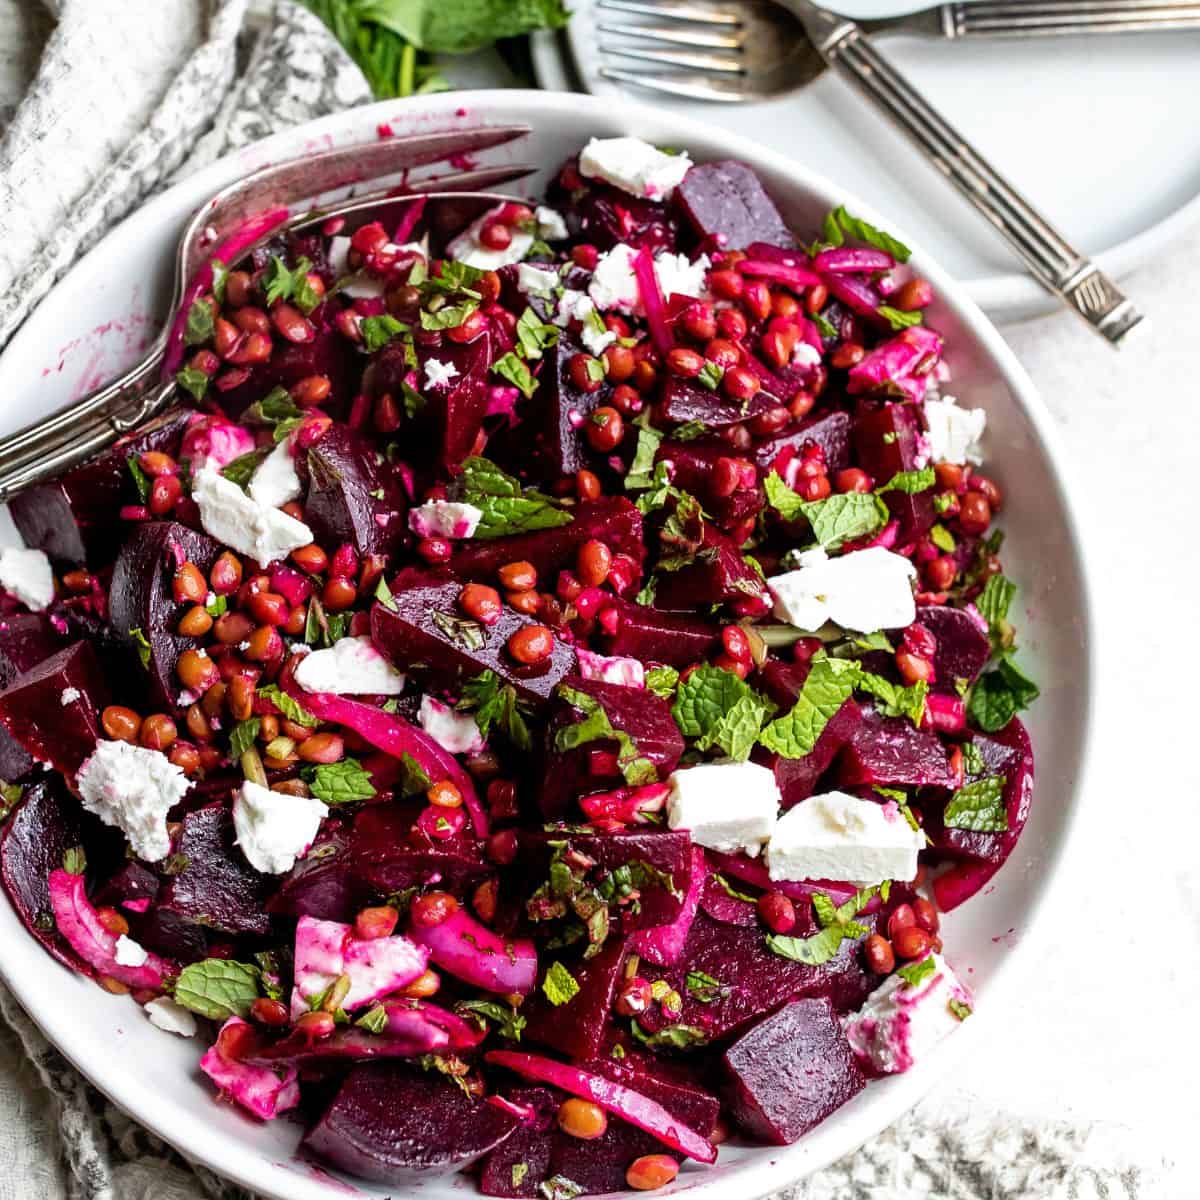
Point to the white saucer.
(1095, 130)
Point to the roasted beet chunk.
(33, 711)
(142, 596)
(453, 413)
(352, 495)
(26, 639)
(76, 518)
(682, 401)
(962, 645)
(717, 574)
(527, 1150)
(396, 1124)
(789, 1072)
(612, 520)
(693, 468)
(831, 432)
(430, 636)
(652, 635)
(885, 440)
(322, 884)
(604, 215)
(728, 207)
(890, 751)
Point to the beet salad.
(525, 708)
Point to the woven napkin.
(102, 103)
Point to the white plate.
(1089, 128)
(90, 325)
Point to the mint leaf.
(993, 604)
(462, 631)
(141, 480)
(241, 469)
(292, 709)
(730, 890)
(943, 539)
(978, 807)
(455, 276)
(559, 985)
(828, 686)
(383, 594)
(711, 375)
(677, 1037)
(220, 276)
(703, 987)
(662, 681)
(813, 951)
(844, 517)
(958, 1008)
(200, 324)
(894, 700)
(144, 649)
(342, 782)
(193, 381)
(786, 502)
(973, 762)
(999, 695)
(534, 335)
(74, 860)
(899, 318)
(509, 1022)
(840, 224)
(495, 703)
(449, 316)
(641, 473)
(596, 726)
(559, 1187)
(717, 708)
(506, 506)
(218, 988)
(243, 737)
(378, 331)
(282, 284)
(274, 407)
(413, 780)
(825, 327)
(510, 367)
(374, 1020)
(916, 973)
(909, 482)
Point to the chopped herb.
(144, 649)
(509, 1022)
(689, 431)
(193, 381)
(909, 482)
(958, 1008)
(978, 806)
(200, 325)
(916, 973)
(642, 470)
(292, 709)
(495, 703)
(828, 686)
(534, 335)
(711, 375)
(518, 1173)
(344, 782)
(74, 860)
(596, 726)
(677, 1037)
(383, 594)
(378, 331)
(374, 1020)
(559, 1187)
(999, 695)
(839, 519)
(449, 316)
(218, 988)
(973, 762)
(730, 890)
(894, 700)
(141, 480)
(900, 318)
(506, 506)
(718, 709)
(943, 539)
(839, 225)
(461, 631)
(662, 681)
(510, 367)
(559, 985)
(241, 469)
(702, 987)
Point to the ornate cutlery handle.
(1056, 18)
(1053, 261)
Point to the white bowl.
(92, 325)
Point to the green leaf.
(689, 431)
(973, 762)
(899, 318)
(193, 381)
(413, 780)
(993, 603)
(220, 276)
(703, 987)
(141, 480)
(374, 1020)
(449, 316)
(280, 282)
(827, 687)
(144, 650)
(825, 327)
(958, 1008)
(909, 482)
(596, 726)
(786, 502)
(894, 700)
(662, 681)
(717, 708)
(243, 736)
(676, 1037)
(505, 505)
(999, 695)
(455, 276)
(462, 631)
(200, 324)
(518, 1173)
(943, 539)
(916, 973)
(276, 406)
(74, 860)
(344, 782)
(840, 225)
(292, 709)
(559, 985)
(978, 806)
(496, 703)
(730, 890)
(814, 951)
(383, 594)
(218, 988)
(641, 473)
(711, 375)
(844, 518)
(510, 367)
(464, 25)
(241, 469)
(378, 331)
(559, 1187)
(534, 335)
(509, 1022)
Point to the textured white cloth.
(129, 92)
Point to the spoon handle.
(1058, 18)
(1051, 259)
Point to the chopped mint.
(495, 703)
(711, 375)
(641, 471)
(144, 649)
(449, 316)
(193, 381)
(718, 709)
(344, 782)
(282, 284)
(909, 482)
(676, 1037)
(916, 973)
(241, 469)
(730, 890)
(511, 368)
(559, 1187)
(507, 507)
(662, 681)
(374, 1020)
(973, 762)
(383, 594)
(509, 1022)
(828, 686)
(839, 225)
(825, 327)
(74, 860)
(462, 631)
(943, 539)
(534, 335)
(379, 330)
(292, 709)
(559, 985)
(835, 520)
(958, 1008)
(200, 324)
(518, 1173)
(993, 604)
(894, 700)
(900, 318)
(243, 736)
(978, 806)
(218, 988)
(999, 695)
(141, 480)
(703, 987)
(596, 726)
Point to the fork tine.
(692, 87)
(675, 36)
(482, 179)
(418, 150)
(674, 10)
(683, 59)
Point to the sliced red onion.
(664, 945)
(652, 300)
(477, 955)
(796, 277)
(854, 260)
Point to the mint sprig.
(718, 709)
(218, 988)
(829, 685)
(978, 806)
(506, 506)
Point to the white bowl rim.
(774, 1167)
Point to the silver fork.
(230, 226)
(753, 49)
(836, 41)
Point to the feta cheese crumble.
(532, 278)
(352, 666)
(727, 807)
(444, 518)
(133, 788)
(256, 530)
(837, 836)
(69, 696)
(467, 248)
(634, 166)
(453, 731)
(550, 224)
(438, 374)
(274, 829)
(954, 432)
(166, 1014)
(677, 276)
(27, 575)
(611, 669)
(129, 953)
(865, 590)
(275, 482)
(900, 1023)
(613, 283)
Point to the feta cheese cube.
(616, 669)
(275, 482)
(678, 276)
(264, 1091)
(444, 518)
(954, 432)
(550, 224)
(130, 953)
(438, 374)
(634, 166)
(256, 530)
(613, 284)
(166, 1014)
(453, 731)
(69, 696)
(352, 666)
(837, 836)
(274, 829)
(533, 278)
(467, 248)
(724, 806)
(27, 575)
(579, 306)
(132, 788)
(899, 1023)
(804, 355)
(865, 590)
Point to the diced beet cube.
(429, 636)
(891, 751)
(26, 639)
(789, 1072)
(76, 518)
(604, 215)
(962, 646)
(694, 470)
(652, 635)
(453, 414)
(322, 884)
(598, 1165)
(681, 402)
(635, 711)
(579, 1028)
(718, 574)
(528, 1149)
(142, 596)
(33, 712)
(831, 432)
(612, 520)
(352, 497)
(133, 882)
(551, 439)
(914, 514)
(727, 205)
(397, 1125)
(886, 440)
